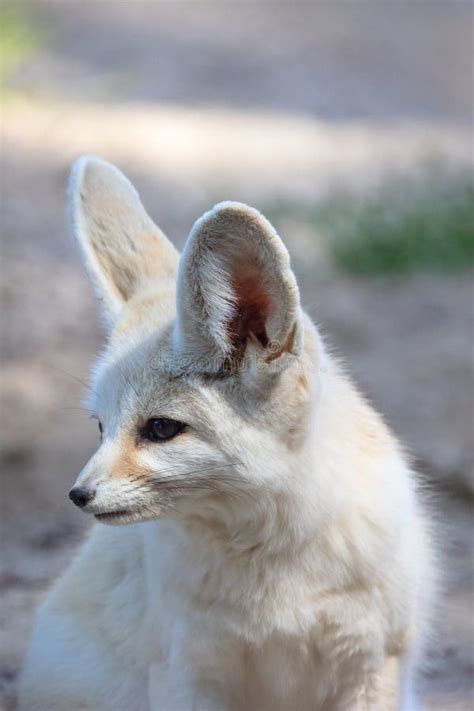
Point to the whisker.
(74, 377)
(175, 484)
(78, 407)
(128, 381)
(220, 484)
(193, 471)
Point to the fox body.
(276, 556)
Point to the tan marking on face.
(127, 464)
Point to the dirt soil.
(286, 105)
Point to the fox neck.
(217, 561)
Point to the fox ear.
(124, 251)
(235, 289)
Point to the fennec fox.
(275, 555)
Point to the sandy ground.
(286, 105)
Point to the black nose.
(81, 496)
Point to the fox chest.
(233, 675)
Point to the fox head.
(204, 391)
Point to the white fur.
(295, 570)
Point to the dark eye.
(160, 429)
(101, 429)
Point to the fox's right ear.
(124, 251)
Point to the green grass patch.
(408, 224)
(19, 36)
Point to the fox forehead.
(139, 382)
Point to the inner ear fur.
(251, 306)
(124, 251)
(235, 285)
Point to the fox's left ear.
(236, 289)
(123, 250)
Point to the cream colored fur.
(291, 567)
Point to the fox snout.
(113, 486)
(95, 480)
(81, 496)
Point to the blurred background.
(350, 125)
